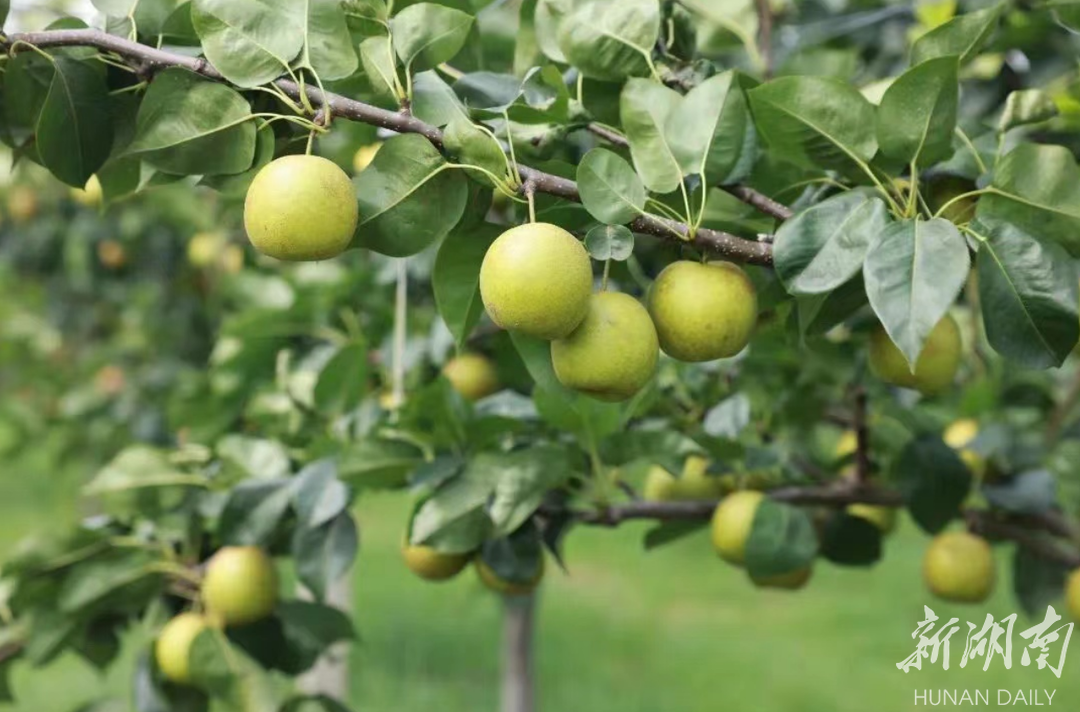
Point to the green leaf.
(376, 463)
(851, 541)
(190, 126)
(342, 382)
(712, 134)
(517, 558)
(1037, 188)
(74, 133)
(90, 583)
(610, 242)
(5, 8)
(823, 246)
(328, 46)
(521, 480)
(536, 355)
(253, 512)
(610, 39)
(913, 271)
(475, 147)
(115, 8)
(255, 457)
(782, 540)
(319, 495)
(380, 67)
(527, 47)
(426, 34)
(917, 114)
(455, 277)
(539, 97)
(312, 628)
(227, 673)
(457, 505)
(728, 418)
(934, 482)
(963, 36)
(1026, 106)
(408, 200)
(1037, 582)
(815, 121)
(818, 313)
(610, 189)
(324, 553)
(548, 18)
(434, 102)
(251, 42)
(1033, 492)
(645, 107)
(1028, 296)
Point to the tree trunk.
(330, 676)
(518, 691)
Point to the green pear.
(301, 208)
(172, 649)
(472, 375)
(935, 368)
(613, 354)
(703, 312)
(240, 586)
(537, 279)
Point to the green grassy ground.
(626, 631)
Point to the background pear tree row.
(611, 260)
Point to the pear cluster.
(537, 280)
(239, 587)
(732, 524)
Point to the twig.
(714, 241)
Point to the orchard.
(782, 275)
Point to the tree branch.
(1025, 530)
(151, 60)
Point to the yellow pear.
(301, 208)
(22, 203)
(472, 375)
(935, 368)
(884, 518)
(959, 566)
(732, 523)
(172, 650)
(537, 279)
(111, 254)
(90, 195)
(696, 482)
(703, 312)
(660, 485)
(204, 247)
(433, 565)
(508, 588)
(1072, 594)
(364, 156)
(613, 353)
(847, 444)
(958, 436)
(240, 586)
(791, 581)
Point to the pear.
(301, 208)
(732, 522)
(472, 375)
(537, 279)
(703, 312)
(935, 368)
(959, 566)
(613, 354)
(433, 565)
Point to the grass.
(625, 631)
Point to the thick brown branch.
(150, 60)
